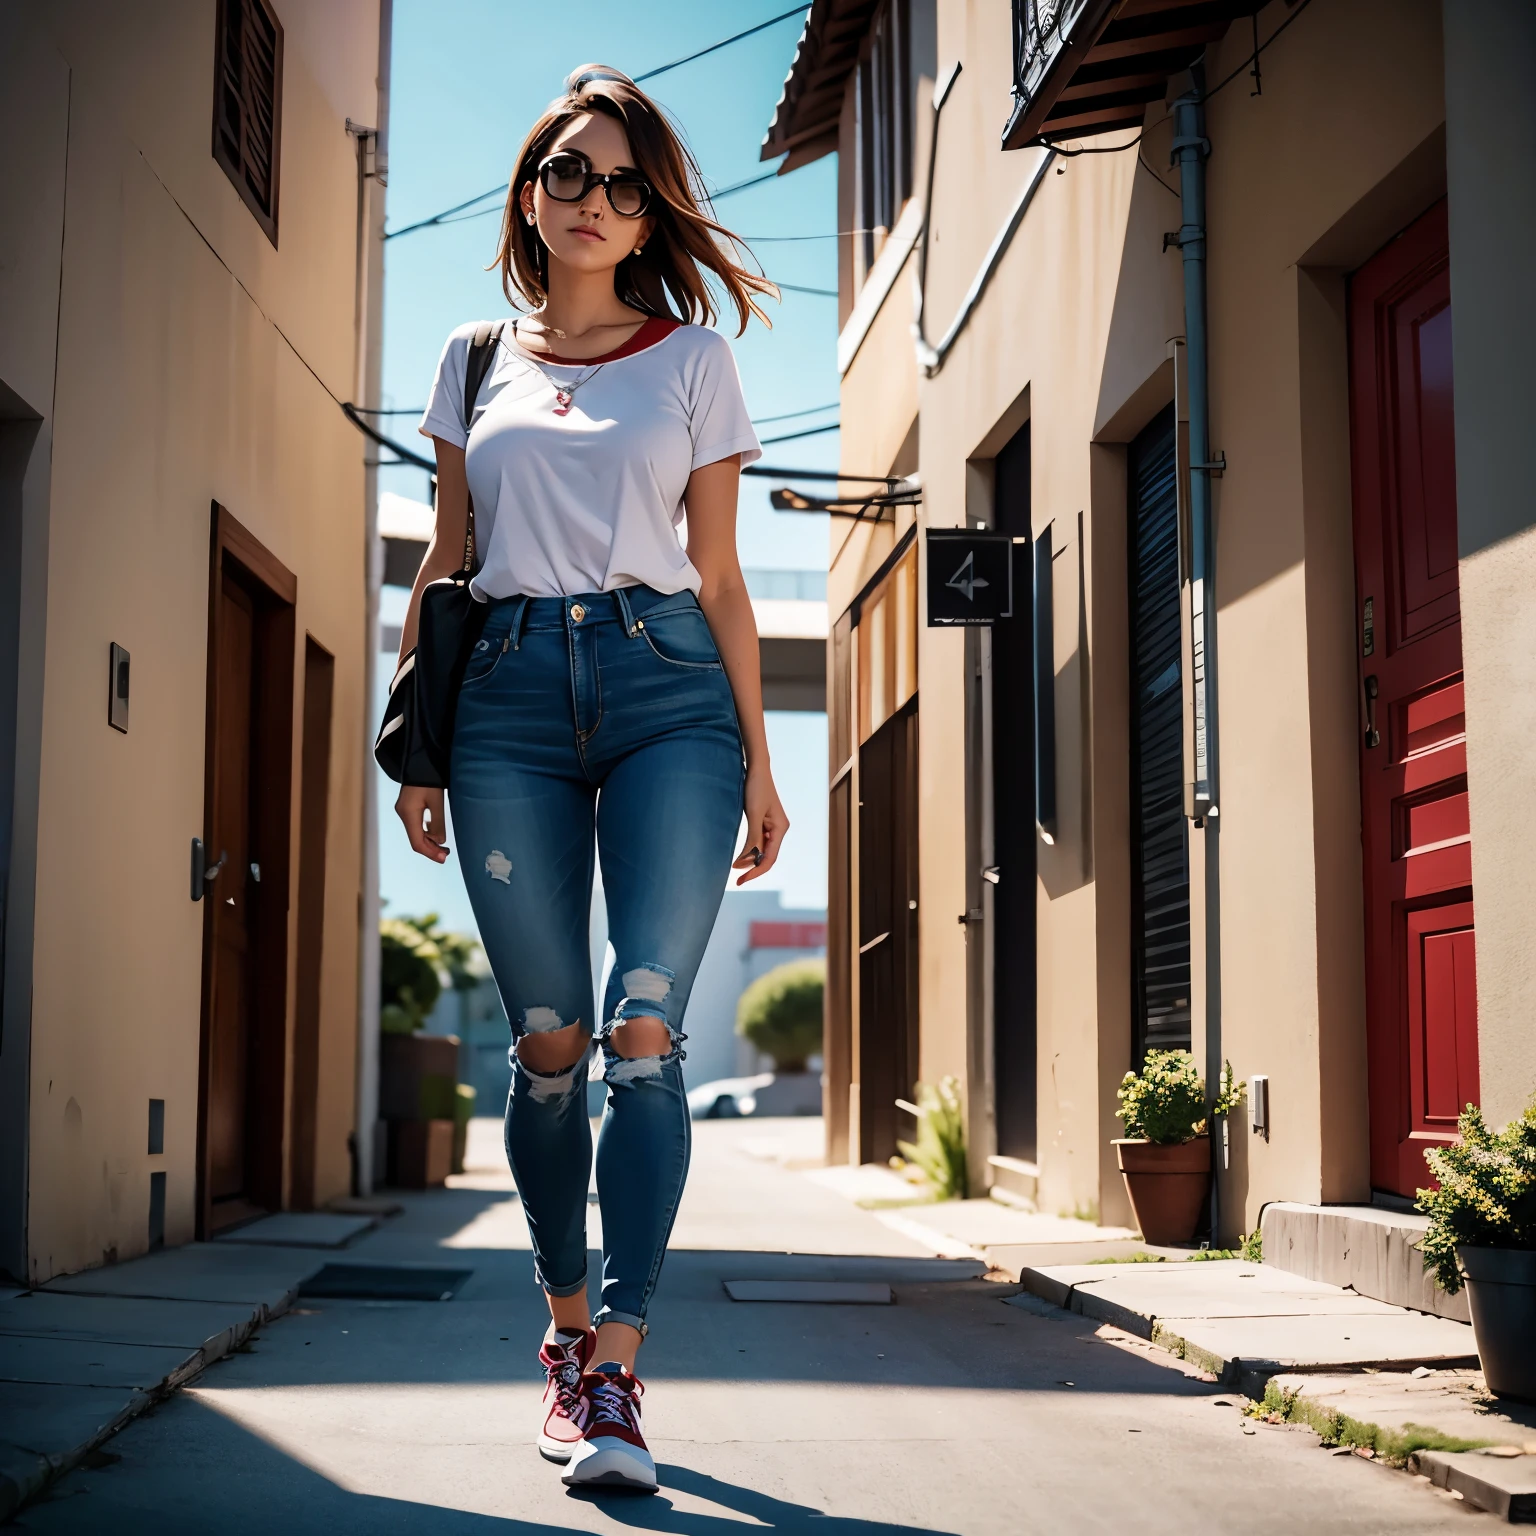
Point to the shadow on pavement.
(657, 1513)
(184, 1470)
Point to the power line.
(757, 421)
(789, 437)
(724, 42)
(810, 410)
(445, 216)
(819, 293)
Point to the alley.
(949, 1411)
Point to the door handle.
(212, 872)
(1372, 735)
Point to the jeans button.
(578, 613)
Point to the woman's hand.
(766, 825)
(422, 812)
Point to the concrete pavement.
(946, 1412)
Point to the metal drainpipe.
(1190, 150)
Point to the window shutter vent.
(247, 104)
(1160, 951)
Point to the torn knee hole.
(643, 1035)
(548, 1046)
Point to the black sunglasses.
(568, 178)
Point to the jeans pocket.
(682, 639)
(484, 660)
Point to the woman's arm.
(710, 501)
(419, 808)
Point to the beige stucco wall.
(1490, 144)
(195, 363)
(1289, 213)
(1343, 148)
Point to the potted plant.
(1165, 1156)
(1482, 1233)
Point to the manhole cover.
(869, 1293)
(384, 1282)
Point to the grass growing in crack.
(1288, 1406)
(1134, 1258)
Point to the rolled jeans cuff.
(608, 1315)
(563, 1290)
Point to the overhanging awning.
(804, 125)
(1083, 67)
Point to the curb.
(1248, 1376)
(26, 1474)
(1506, 1488)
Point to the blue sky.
(469, 78)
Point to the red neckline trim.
(656, 328)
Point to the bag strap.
(482, 353)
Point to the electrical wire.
(445, 217)
(724, 42)
(1087, 149)
(810, 410)
(757, 421)
(1141, 160)
(789, 437)
(457, 215)
(1253, 57)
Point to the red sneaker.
(565, 1400)
(612, 1452)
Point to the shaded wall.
(195, 363)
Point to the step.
(1371, 1251)
(1014, 1180)
(1245, 1322)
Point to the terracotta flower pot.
(1501, 1288)
(1167, 1186)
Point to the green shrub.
(780, 1013)
(416, 957)
(939, 1151)
(1165, 1101)
(1487, 1193)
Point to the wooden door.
(1421, 992)
(888, 1015)
(314, 824)
(230, 904)
(246, 830)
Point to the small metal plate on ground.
(301, 1229)
(384, 1282)
(865, 1293)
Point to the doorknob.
(1372, 735)
(212, 872)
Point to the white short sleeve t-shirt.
(591, 499)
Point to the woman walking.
(613, 697)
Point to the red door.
(1421, 987)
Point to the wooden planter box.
(420, 1153)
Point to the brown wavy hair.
(666, 278)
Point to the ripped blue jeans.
(603, 721)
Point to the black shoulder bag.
(416, 737)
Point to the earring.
(638, 249)
(529, 217)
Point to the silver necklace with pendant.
(564, 393)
